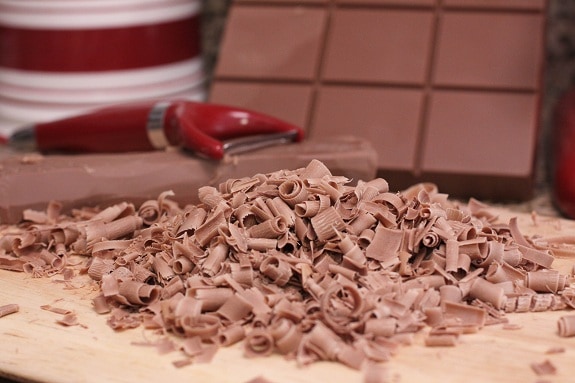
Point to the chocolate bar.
(447, 91)
(30, 181)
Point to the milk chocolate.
(447, 91)
(101, 180)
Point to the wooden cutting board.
(33, 347)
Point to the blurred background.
(190, 61)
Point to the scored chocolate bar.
(447, 91)
(30, 181)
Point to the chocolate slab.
(447, 91)
(101, 180)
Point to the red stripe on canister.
(105, 49)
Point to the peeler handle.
(119, 128)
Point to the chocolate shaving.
(259, 379)
(8, 309)
(544, 368)
(566, 326)
(56, 310)
(69, 319)
(441, 340)
(300, 263)
(555, 350)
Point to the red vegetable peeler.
(210, 130)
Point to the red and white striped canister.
(62, 57)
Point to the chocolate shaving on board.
(300, 263)
(566, 326)
(544, 368)
(8, 309)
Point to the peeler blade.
(244, 144)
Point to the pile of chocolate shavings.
(297, 263)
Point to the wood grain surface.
(34, 348)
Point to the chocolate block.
(447, 91)
(101, 180)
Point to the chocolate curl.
(476, 248)
(538, 257)
(216, 256)
(277, 270)
(258, 342)
(393, 201)
(239, 186)
(460, 314)
(323, 342)
(209, 229)
(113, 245)
(441, 340)
(182, 265)
(566, 326)
(512, 256)
(279, 208)
(451, 255)
(488, 292)
(64, 236)
(327, 224)
(111, 213)
(194, 217)
(52, 259)
(546, 281)
(455, 215)
(243, 275)
(212, 298)
(293, 192)
(365, 238)
(101, 305)
(210, 196)
(287, 336)
(503, 272)
(353, 257)
(430, 239)
(150, 212)
(385, 326)
(307, 209)
(142, 274)
(315, 169)
(235, 237)
(119, 228)
(100, 267)
(385, 245)
(245, 216)
(262, 244)
(8, 309)
(235, 308)
(230, 335)
(34, 266)
(205, 326)
(188, 249)
(174, 286)
(362, 221)
(162, 268)
(450, 293)
(495, 252)
(137, 293)
(303, 230)
(326, 345)
(260, 211)
(271, 228)
(341, 306)
(368, 190)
